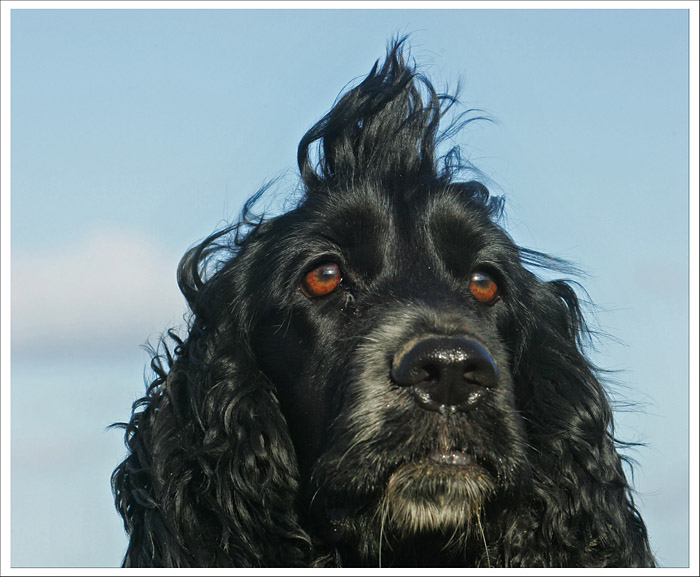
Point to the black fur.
(281, 432)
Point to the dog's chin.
(441, 492)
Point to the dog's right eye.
(321, 280)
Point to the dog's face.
(384, 338)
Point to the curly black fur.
(282, 431)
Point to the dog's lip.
(451, 458)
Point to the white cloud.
(113, 288)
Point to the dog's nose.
(446, 374)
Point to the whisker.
(483, 537)
(384, 513)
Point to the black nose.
(445, 374)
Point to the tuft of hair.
(421, 498)
(386, 132)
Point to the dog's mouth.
(432, 471)
(451, 461)
(451, 458)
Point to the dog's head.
(388, 329)
(378, 366)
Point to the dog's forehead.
(361, 213)
(374, 228)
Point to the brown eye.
(321, 281)
(484, 288)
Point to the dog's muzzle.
(445, 373)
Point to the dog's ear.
(211, 476)
(578, 479)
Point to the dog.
(376, 377)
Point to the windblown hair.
(376, 377)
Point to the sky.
(136, 133)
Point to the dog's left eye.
(484, 288)
(321, 280)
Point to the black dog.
(375, 377)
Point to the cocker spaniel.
(376, 377)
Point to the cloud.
(113, 288)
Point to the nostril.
(431, 372)
(445, 372)
(481, 371)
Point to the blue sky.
(135, 133)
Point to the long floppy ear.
(587, 516)
(211, 475)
